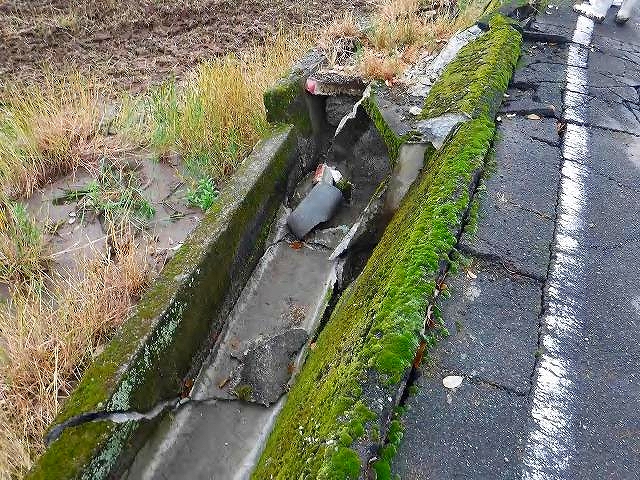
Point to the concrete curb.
(177, 320)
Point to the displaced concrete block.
(266, 367)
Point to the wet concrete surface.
(560, 216)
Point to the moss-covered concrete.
(285, 101)
(476, 87)
(181, 313)
(341, 404)
(392, 139)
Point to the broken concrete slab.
(328, 237)
(328, 82)
(422, 81)
(436, 130)
(266, 367)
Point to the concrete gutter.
(160, 347)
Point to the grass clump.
(375, 329)
(23, 253)
(399, 33)
(116, 196)
(204, 195)
(217, 117)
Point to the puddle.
(73, 234)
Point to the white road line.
(550, 445)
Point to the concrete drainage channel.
(240, 389)
(197, 379)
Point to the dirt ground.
(135, 44)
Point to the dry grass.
(380, 66)
(397, 25)
(218, 115)
(400, 30)
(49, 129)
(49, 335)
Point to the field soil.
(135, 44)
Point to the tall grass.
(49, 129)
(215, 118)
(48, 336)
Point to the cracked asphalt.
(545, 324)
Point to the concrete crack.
(543, 286)
(116, 416)
(478, 380)
(600, 127)
(551, 143)
(501, 262)
(122, 416)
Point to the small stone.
(72, 220)
(415, 111)
(452, 381)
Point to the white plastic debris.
(452, 381)
(415, 110)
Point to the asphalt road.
(546, 323)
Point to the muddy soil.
(73, 233)
(135, 44)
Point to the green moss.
(284, 103)
(475, 87)
(391, 140)
(344, 464)
(67, 457)
(243, 392)
(382, 466)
